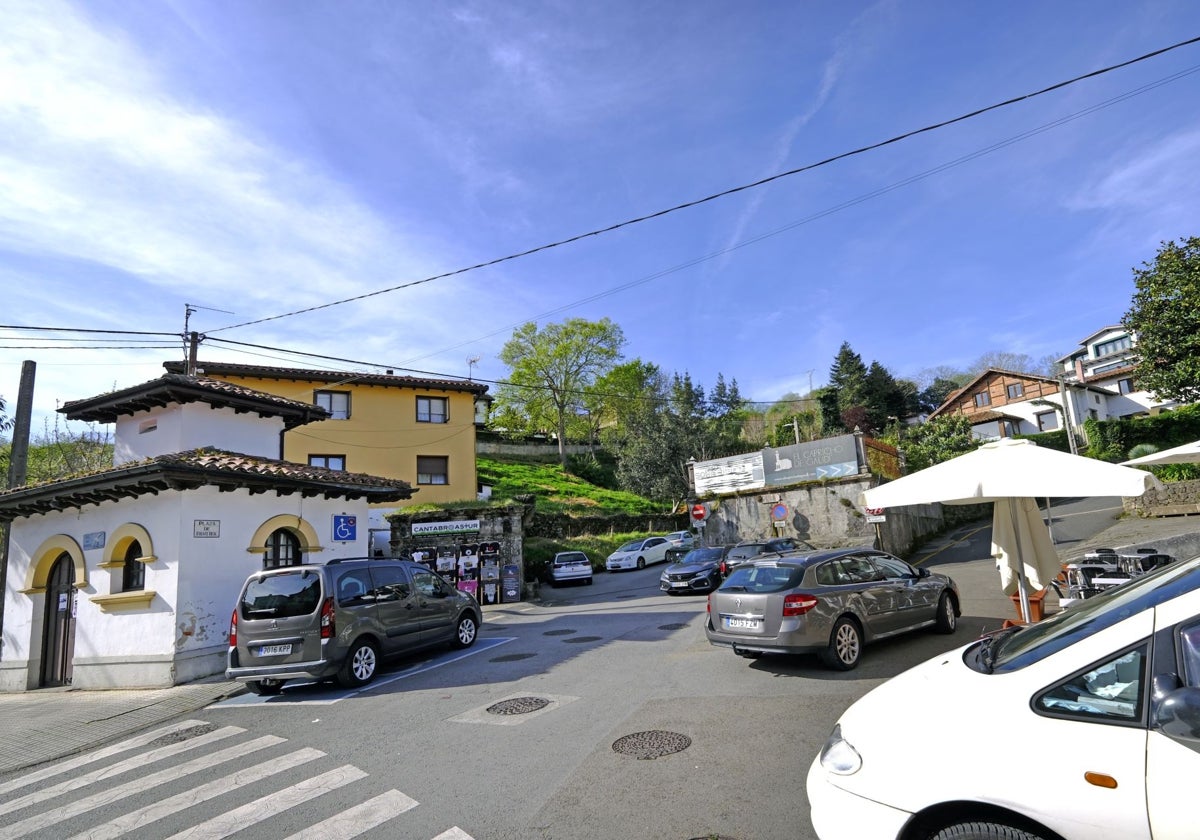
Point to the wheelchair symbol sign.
(345, 528)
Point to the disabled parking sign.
(345, 528)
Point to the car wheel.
(467, 632)
(641, 562)
(983, 831)
(588, 582)
(360, 666)
(265, 688)
(845, 645)
(947, 621)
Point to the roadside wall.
(1172, 498)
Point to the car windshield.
(763, 579)
(632, 546)
(1035, 642)
(741, 552)
(700, 555)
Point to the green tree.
(848, 379)
(938, 391)
(59, 452)
(551, 369)
(621, 394)
(937, 440)
(1165, 317)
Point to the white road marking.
(140, 785)
(455, 833)
(113, 770)
(92, 757)
(182, 801)
(268, 806)
(363, 817)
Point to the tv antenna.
(471, 362)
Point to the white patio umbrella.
(1006, 471)
(1189, 453)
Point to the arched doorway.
(58, 628)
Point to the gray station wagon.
(830, 603)
(336, 621)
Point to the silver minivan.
(337, 620)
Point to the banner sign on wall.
(829, 458)
(458, 526)
(727, 475)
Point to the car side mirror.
(922, 572)
(1178, 714)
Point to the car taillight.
(708, 605)
(233, 628)
(798, 604)
(328, 630)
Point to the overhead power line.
(732, 190)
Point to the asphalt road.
(521, 736)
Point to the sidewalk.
(43, 725)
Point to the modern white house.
(1107, 360)
(127, 577)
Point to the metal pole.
(1022, 587)
(17, 465)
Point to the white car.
(570, 565)
(1084, 726)
(638, 554)
(681, 539)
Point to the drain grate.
(518, 706)
(182, 735)
(652, 744)
(579, 639)
(671, 626)
(513, 657)
(558, 632)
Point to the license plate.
(274, 650)
(742, 623)
(679, 584)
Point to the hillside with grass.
(558, 491)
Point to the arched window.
(133, 573)
(283, 549)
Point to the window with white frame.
(1116, 345)
(329, 462)
(337, 403)
(433, 410)
(433, 469)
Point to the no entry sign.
(699, 512)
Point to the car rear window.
(568, 559)
(764, 579)
(282, 595)
(743, 552)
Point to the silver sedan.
(831, 603)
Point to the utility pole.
(17, 466)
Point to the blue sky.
(265, 156)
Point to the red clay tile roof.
(330, 376)
(178, 388)
(198, 468)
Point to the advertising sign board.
(727, 475)
(829, 458)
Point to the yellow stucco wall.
(382, 436)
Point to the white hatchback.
(1085, 726)
(638, 554)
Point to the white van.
(1085, 726)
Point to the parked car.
(681, 539)
(675, 553)
(338, 620)
(638, 554)
(831, 603)
(698, 571)
(569, 566)
(748, 550)
(1083, 726)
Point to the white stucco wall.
(183, 633)
(178, 428)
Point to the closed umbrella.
(1189, 453)
(1005, 471)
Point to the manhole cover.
(558, 632)
(579, 639)
(182, 735)
(671, 626)
(518, 706)
(512, 657)
(652, 744)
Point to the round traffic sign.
(699, 512)
(779, 512)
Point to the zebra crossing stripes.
(363, 817)
(168, 814)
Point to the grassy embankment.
(556, 491)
